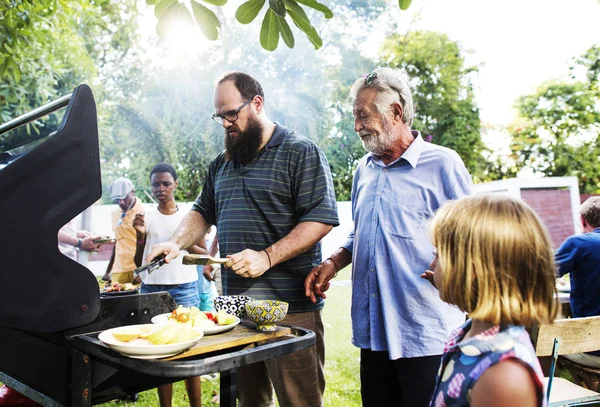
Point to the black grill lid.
(42, 187)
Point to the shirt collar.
(412, 153)
(491, 339)
(278, 135)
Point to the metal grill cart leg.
(228, 389)
(81, 380)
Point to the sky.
(520, 43)
(517, 44)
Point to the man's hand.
(317, 281)
(428, 275)
(107, 278)
(83, 233)
(169, 249)
(87, 244)
(207, 272)
(249, 263)
(139, 225)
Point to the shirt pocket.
(406, 217)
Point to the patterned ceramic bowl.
(266, 313)
(232, 304)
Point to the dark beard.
(243, 148)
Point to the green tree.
(47, 47)
(558, 132)
(445, 109)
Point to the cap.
(120, 188)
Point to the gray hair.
(392, 85)
(590, 211)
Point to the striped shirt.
(288, 182)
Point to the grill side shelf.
(228, 352)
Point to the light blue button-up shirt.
(393, 308)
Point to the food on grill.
(119, 287)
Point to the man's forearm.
(304, 236)
(341, 258)
(190, 231)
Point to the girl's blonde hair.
(496, 260)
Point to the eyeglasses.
(370, 79)
(232, 115)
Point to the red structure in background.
(103, 254)
(554, 207)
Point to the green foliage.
(446, 113)
(558, 133)
(272, 26)
(48, 47)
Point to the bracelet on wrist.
(142, 241)
(335, 266)
(79, 243)
(268, 257)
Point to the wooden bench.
(563, 337)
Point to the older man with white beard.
(398, 320)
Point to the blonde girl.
(494, 261)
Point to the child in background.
(494, 261)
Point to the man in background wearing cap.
(121, 265)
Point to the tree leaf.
(286, 32)
(162, 27)
(219, 3)
(278, 7)
(301, 20)
(162, 6)
(247, 12)
(317, 6)
(269, 31)
(207, 20)
(404, 4)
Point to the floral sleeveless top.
(464, 362)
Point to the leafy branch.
(274, 25)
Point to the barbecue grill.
(51, 310)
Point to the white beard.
(381, 143)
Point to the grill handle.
(36, 113)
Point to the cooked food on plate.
(157, 334)
(194, 317)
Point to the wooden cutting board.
(243, 334)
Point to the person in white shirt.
(156, 226)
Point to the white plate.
(142, 348)
(210, 330)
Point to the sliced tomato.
(211, 316)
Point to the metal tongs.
(150, 267)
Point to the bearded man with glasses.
(398, 319)
(270, 194)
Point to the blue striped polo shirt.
(288, 182)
